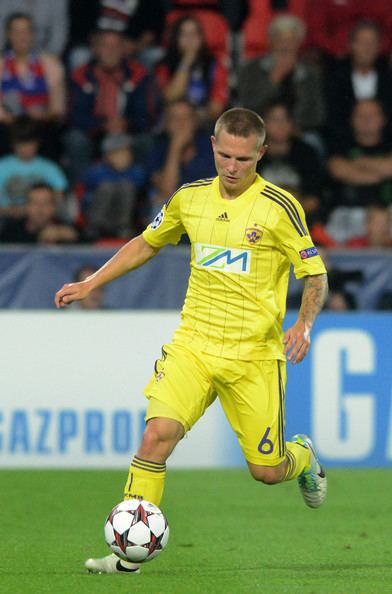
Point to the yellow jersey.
(240, 262)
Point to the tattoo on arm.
(313, 298)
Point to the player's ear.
(213, 142)
(262, 151)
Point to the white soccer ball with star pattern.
(136, 530)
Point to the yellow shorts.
(185, 382)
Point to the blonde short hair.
(241, 122)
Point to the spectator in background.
(378, 229)
(360, 167)
(50, 22)
(339, 300)
(362, 75)
(189, 71)
(282, 75)
(31, 83)
(110, 190)
(295, 166)
(96, 299)
(182, 154)
(109, 95)
(142, 23)
(260, 15)
(24, 167)
(331, 21)
(39, 224)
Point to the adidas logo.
(223, 217)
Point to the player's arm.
(132, 255)
(297, 338)
(293, 238)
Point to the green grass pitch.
(229, 535)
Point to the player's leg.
(147, 472)
(301, 461)
(179, 392)
(311, 480)
(253, 400)
(146, 477)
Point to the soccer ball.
(136, 530)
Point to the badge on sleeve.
(308, 253)
(158, 220)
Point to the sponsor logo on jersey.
(158, 220)
(308, 253)
(223, 217)
(223, 259)
(253, 235)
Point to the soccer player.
(244, 232)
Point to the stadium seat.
(254, 30)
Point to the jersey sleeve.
(167, 226)
(293, 239)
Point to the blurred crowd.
(106, 107)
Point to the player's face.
(236, 160)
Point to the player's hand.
(297, 342)
(71, 292)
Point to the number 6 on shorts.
(266, 446)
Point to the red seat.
(255, 28)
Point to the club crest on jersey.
(223, 259)
(158, 220)
(253, 235)
(159, 376)
(308, 253)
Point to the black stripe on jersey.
(207, 182)
(290, 205)
(282, 447)
(295, 224)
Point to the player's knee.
(153, 438)
(159, 438)
(269, 475)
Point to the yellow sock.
(146, 480)
(298, 458)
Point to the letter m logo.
(223, 259)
